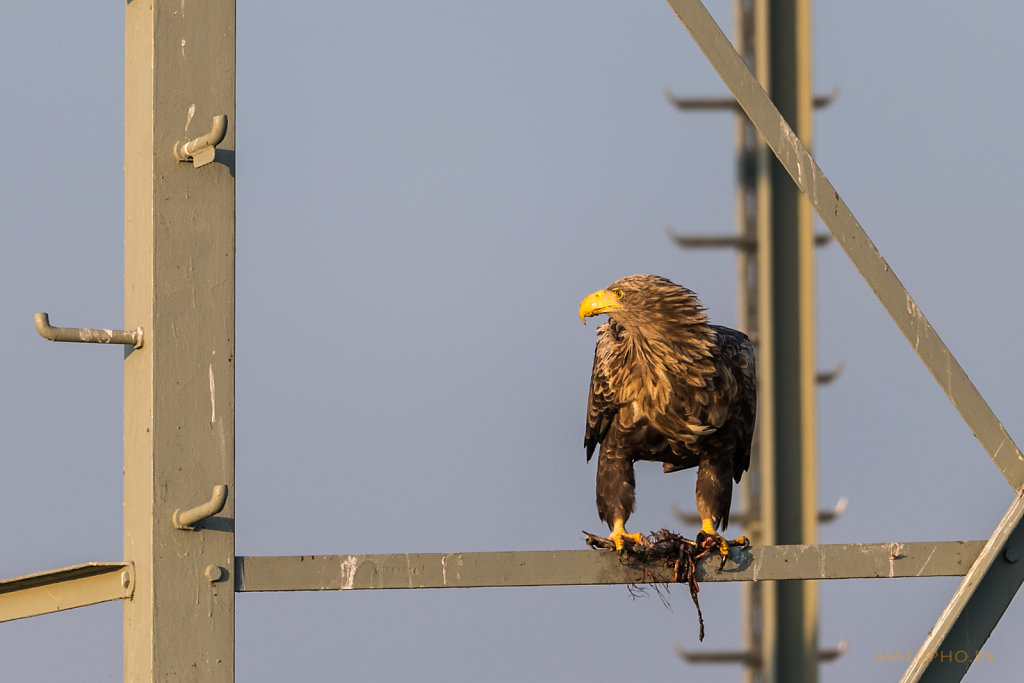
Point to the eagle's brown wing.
(601, 404)
(736, 366)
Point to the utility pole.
(179, 405)
(775, 273)
(787, 331)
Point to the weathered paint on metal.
(66, 588)
(179, 388)
(848, 232)
(596, 567)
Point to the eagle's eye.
(618, 293)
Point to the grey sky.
(438, 185)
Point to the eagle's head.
(645, 302)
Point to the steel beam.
(179, 407)
(597, 567)
(753, 200)
(851, 236)
(60, 589)
(786, 275)
(976, 607)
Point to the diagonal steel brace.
(998, 573)
(979, 602)
(849, 233)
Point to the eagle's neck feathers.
(656, 357)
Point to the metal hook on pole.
(86, 334)
(202, 150)
(187, 519)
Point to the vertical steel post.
(789, 258)
(753, 189)
(179, 387)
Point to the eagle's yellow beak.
(599, 302)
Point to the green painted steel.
(597, 567)
(849, 233)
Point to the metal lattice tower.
(179, 574)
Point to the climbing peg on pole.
(86, 334)
(203, 149)
(187, 519)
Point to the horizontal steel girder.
(95, 582)
(597, 567)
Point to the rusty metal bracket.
(86, 334)
(187, 519)
(203, 149)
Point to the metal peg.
(829, 376)
(202, 150)
(741, 242)
(187, 519)
(829, 515)
(710, 103)
(86, 334)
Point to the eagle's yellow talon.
(712, 539)
(619, 534)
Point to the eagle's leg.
(714, 496)
(616, 493)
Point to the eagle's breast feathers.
(676, 388)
